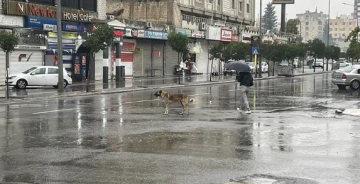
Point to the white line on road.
(45, 112)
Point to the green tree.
(100, 39)
(316, 49)
(354, 49)
(8, 41)
(292, 26)
(235, 51)
(332, 52)
(269, 18)
(216, 52)
(179, 43)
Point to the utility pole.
(260, 42)
(60, 54)
(328, 38)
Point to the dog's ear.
(160, 91)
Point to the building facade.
(205, 22)
(340, 28)
(312, 25)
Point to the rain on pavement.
(292, 135)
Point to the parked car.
(348, 76)
(284, 63)
(264, 67)
(39, 76)
(343, 63)
(318, 63)
(251, 65)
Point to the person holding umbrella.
(245, 80)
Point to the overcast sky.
(300, 6)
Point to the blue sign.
(254, 50)
(155, 35)
(73, 27)
(38, 22)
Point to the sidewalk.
(131, 84)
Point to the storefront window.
(89, 5)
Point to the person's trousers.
(244, 92)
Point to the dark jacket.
(245, 79)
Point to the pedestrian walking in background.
(245, 80)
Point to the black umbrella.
(238, 66)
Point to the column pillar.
(106, 65)
(118, 62)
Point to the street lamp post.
(59, 45)
(260, 38)
(328, 38)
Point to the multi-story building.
(340, 28)
(206, 22)
(312, 25)
(356, 9)
(34, 21)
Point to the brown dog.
(173, 98)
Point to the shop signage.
(30, 9)
(141, 33)
(38, 22)
(49, 27)
(283, 1)
(226, 35)
(213, 33)
(128, 47)
(73, 27)
(65, 35)
(11, 21)
(197, 34)
(155, 35)
(134, 33)
(30, 37)
(118, 34)
(128, 32)
(186, 32)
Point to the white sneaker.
(248, 112)
(239, 110)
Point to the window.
(70, 4)
(240, 6)
(335, 29)
(307, 23)
(319, 22)
(233, 4)
(247, 8)
(89, 5)
(343, 35)
(39, 71)
(343, 23)
(219, 2)
(52, 71)
(46, 2)
(307, 28)
(350, 23)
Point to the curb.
(157, 87)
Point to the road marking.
(45, 112)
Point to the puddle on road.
(269, 179)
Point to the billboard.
(283, 1)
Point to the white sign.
(141, 33)
(128, 33)
(226, 34)
(49, 27)
(213, 33)
(11, 21)
(283, 1)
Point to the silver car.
(348, 76)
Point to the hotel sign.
(30, 9)
(283, 1)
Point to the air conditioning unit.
(202, 26)
(148, 24)
(110, 17)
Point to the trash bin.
(177, 70)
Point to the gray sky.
(300, 6)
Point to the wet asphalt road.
(125, 138)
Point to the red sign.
(118, 33)
(235, 38)
(128, 47)
(226, 35)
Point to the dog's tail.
(191, 100)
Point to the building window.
(307, 28)
(89, 5)
(307, 23)
(240, 6)
(335, 23)
(335, 29)
(350, 23)
(343, 35)
(247, 8)
(70, 4)
(219, 2)
(319, 22)
(233, 4)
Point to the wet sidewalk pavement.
(130, 84)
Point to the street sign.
(254, 51)
(283, 2)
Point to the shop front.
(150, 54)
(213, 37)
(8, 22)
(30, 50)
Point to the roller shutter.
(171, 60)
